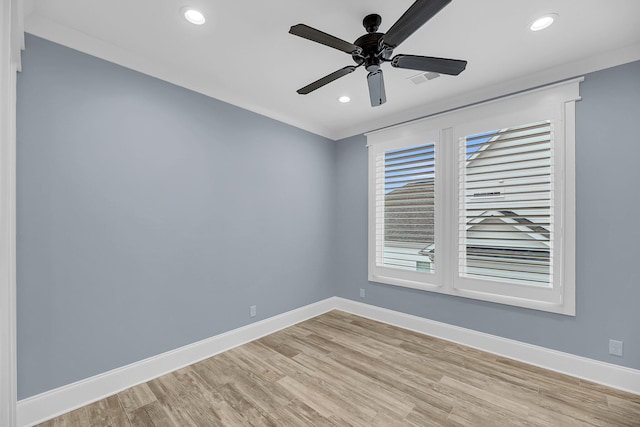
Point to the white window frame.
(554, 102)
(411, 279)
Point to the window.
(479, 202)
(506, 220)
(407, 183)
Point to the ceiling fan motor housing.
(373, 53)
(370, 56)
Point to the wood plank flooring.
(339, 370)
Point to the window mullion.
(447, 207)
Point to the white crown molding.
(52, 403)
(188, 79)
(50, 30)
(553, 75)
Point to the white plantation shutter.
(479, 202)
(506, 205)
(405, 200)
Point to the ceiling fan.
(373, 49)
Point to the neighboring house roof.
(537, 232)
(531, 241)
(409, 213)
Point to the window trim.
(401, 277)
(555, 102)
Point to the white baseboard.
(608, 374)
(47, 405)
(55, 402)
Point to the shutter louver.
(506, 205)
(405, 196)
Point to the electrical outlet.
(252, 311)
(361, 293)
(615, 347)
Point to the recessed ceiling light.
(344, 99)
(194, 16)
(543, 22)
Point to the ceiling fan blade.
(419, 13)
(318, 36)
(376, 88)
(429, 63)
(327, 79)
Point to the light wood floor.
(338, 369)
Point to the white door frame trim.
(12, 36)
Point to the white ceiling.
(244, 55)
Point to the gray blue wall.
(608, 250)
(150, 217)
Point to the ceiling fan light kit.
(373, 49)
